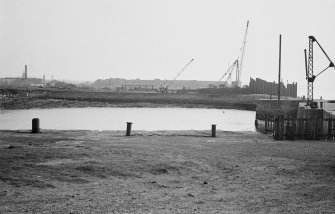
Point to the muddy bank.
(47, 98)
(30, 103)
(163, 172)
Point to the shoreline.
(47, 98)
(38, 103)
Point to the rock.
(205, 182)
(11, 147)
(190, 195)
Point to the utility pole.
(279, 70)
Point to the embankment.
(91, 98)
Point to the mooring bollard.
(35, 125)
(128, 128)
(213, 130)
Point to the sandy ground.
(163, 172)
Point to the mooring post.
(35, 125)
(128, 128)
(213, 130)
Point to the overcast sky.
(148, 39)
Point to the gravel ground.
(163, 172)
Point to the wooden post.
(328, 129)
(294, 126)
(266, 124)
(287, 130)
(272, 123)
(329, 134)
(320, 128)
(213, 130)
(332, 129)
(281, 121)
(309, 129)
(301, 129)
(276, 135)
(279, 70)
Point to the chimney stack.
(25, 72)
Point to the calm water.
(142, 118)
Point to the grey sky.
(147, 39)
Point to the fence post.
(294, 126)
(287, 130)
(276, 129)
(320, 130)
(330, 129)
(306, 129)
(281, 121)
(266, 124)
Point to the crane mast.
(164, 87)
(239, 68)
(309, 71)
(238, 63)
(181, 71)
(228, 72)
(310, 77)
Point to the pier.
(294, 120)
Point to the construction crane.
(237, 64)
(165, 86)
(310, 77)
(239, 67)
(228, 73)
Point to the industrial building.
(257, 86)
(23, 81)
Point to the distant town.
(255, 86)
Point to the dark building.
(257, 86)
(260, 86)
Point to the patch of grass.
(22, 181)
(103, 171)
(18, 166)
(161, 169)
(70, 179)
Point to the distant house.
(60, 85)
